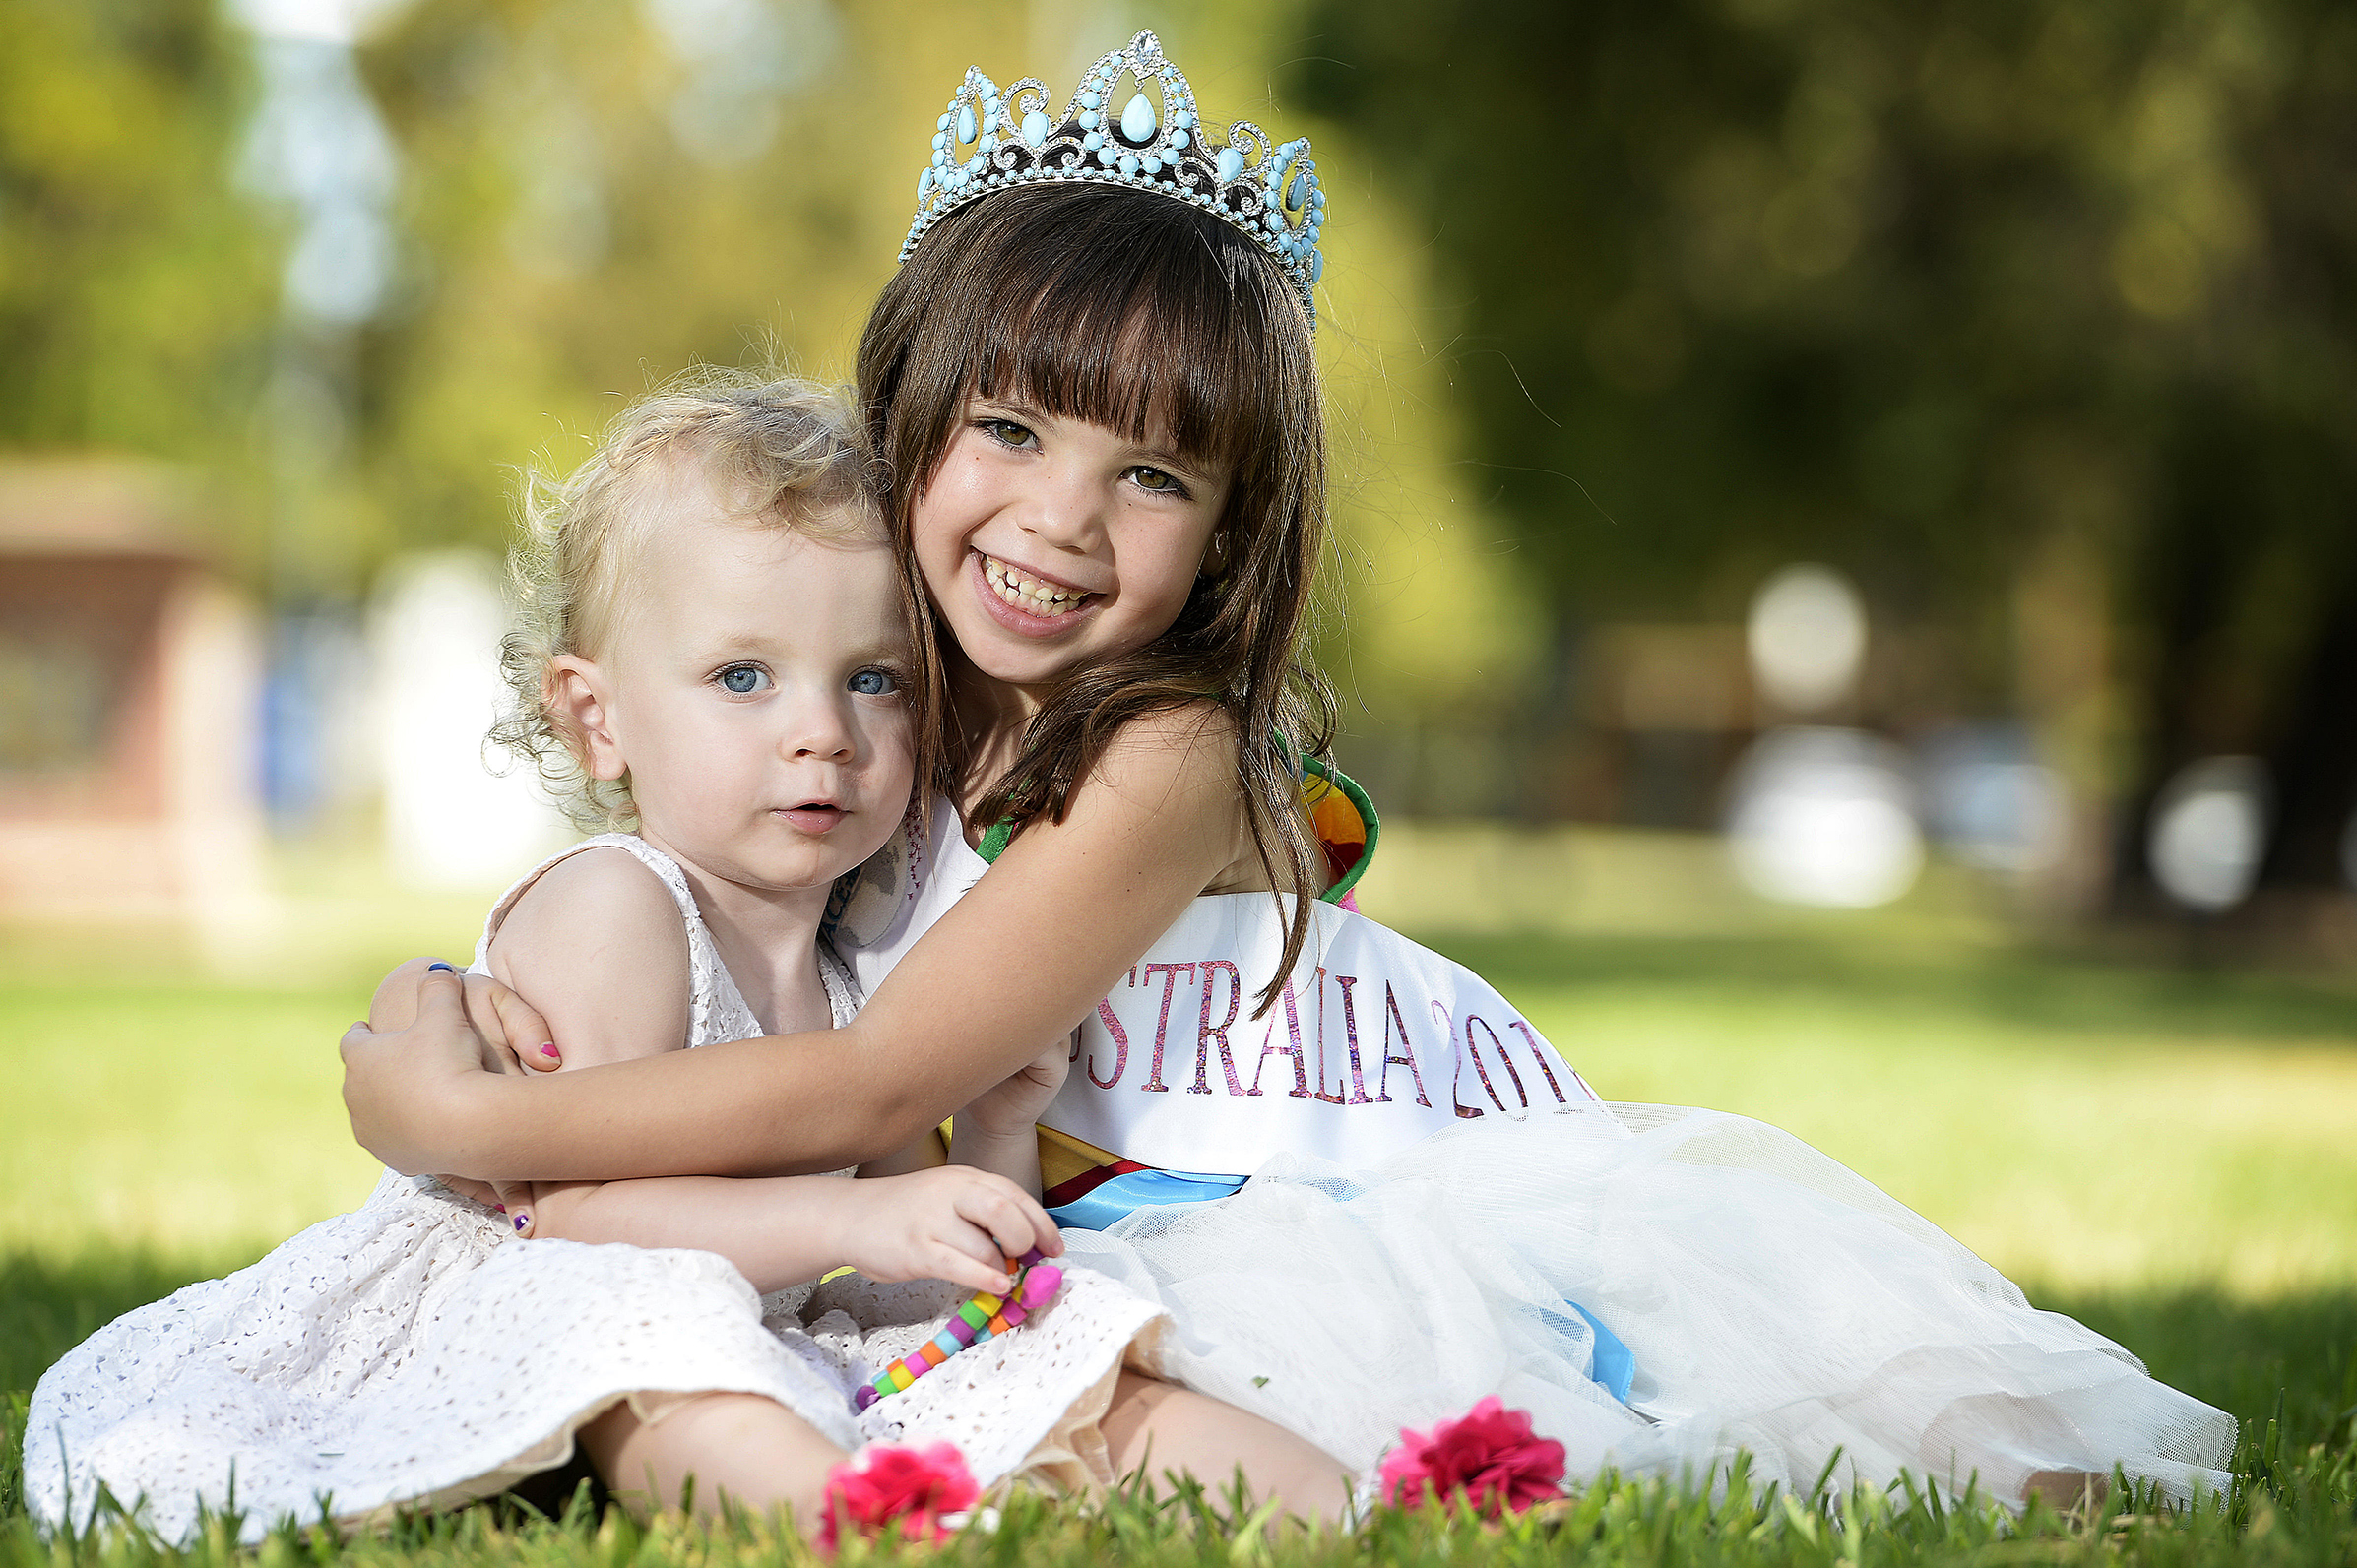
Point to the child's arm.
(951, 1222)
(597, 945)
(1020, 959)
(1000, 1131)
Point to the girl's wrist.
(468, 1122)
(843, 1223)
(967, 1142)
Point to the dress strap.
(717, 1009)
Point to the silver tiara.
(988, 141)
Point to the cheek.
(940, 551)
(892, 740)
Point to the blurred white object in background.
(450, 821)
(1991, 802)
(1807, 637)
(1824, 817)
(2210, 829)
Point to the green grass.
(2160, 1151)
(2081, 1124)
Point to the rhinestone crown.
(988, 141)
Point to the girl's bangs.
(1145, 323)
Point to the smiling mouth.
(1033, 595)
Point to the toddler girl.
(713, 649)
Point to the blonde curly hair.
(778, 451)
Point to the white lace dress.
(415, 1355)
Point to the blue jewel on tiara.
(989, 140)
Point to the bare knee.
(712, 1451)
(1158, 1425)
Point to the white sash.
(1375, 1043)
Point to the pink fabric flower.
(1488, 1454)
(914, 1487)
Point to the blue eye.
(875, 683)
(743, 680)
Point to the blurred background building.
(1856, 443)
(128, 676)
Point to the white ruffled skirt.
(413, 1355)
(1774, 1302)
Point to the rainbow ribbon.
(983, 1317)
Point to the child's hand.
(951, 1223)
(505, 1027)
(1008, 1108)
(510, 1035)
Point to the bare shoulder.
(598, 945)
(1187, 751)
(1166, 787)
(602, 887)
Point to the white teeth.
(1027, 592)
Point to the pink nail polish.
(549, 1051)
(502, 1208)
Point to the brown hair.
(1140, 313)
(779, 449)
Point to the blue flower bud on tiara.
(1266, 191)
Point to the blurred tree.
(2036, 316)
(136, 285)
(599, 193)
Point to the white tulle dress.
(413, 1353)
(1659, 1286)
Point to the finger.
(1034, 1218)
(395, 1002)
(951, 1262)
(1012, 1216)
(972, 1242)
(514, 1199)
(441, 1001)
(485, 1016)
(468, 1187)
(530, 1037)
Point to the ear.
(580, 702)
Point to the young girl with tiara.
(1093, 384)
(715, 649)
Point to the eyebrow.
(740, 644)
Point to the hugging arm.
(1021, 959)
(596, 946)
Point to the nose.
(1068, 510)
(820, 728)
